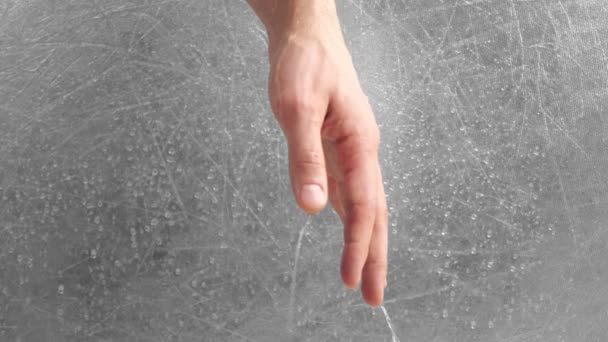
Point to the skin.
(331, 131)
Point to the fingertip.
(312, 198)
(349, 281)
(373, 292)
(351, 274)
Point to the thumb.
(306, 160)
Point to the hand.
(333, 143)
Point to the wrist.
(286, 19)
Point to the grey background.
(144, 192)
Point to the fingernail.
(312, 196)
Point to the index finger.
(357, 158)
(358, 190)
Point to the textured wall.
(144, 190)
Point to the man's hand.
(331, 131)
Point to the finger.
(306, 158)
(334, 198)
(375, 269)
(358, 160)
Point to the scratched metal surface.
(143, 180)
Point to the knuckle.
(358, 208)
(361, 137)
(356, 243)
(353, 240)
(309, 159)
(376, 264)
(295, 105)
(351, 160)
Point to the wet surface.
(144, 190)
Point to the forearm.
(283, 18)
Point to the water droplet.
(154, 222)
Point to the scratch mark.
(218, 326)
(294, 273)
(565, 200)
(394, 337)
(234, 188)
